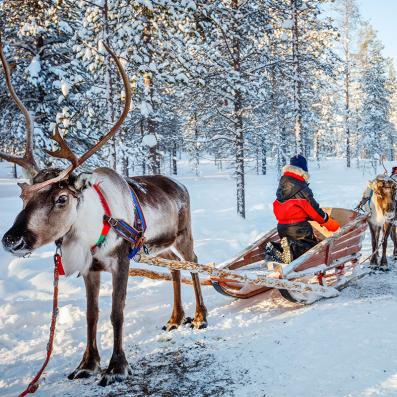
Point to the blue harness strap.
(133, 234)
(141, 224)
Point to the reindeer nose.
(13, 243)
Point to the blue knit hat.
(299, 161)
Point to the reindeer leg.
(184, 249)
(386, 232)
(394, 238)
(118, 368)
(178, 314)
(200, 316)
(90, 363)
(375, 231)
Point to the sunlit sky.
(383, 16)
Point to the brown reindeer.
(382, 205)
(62, 205)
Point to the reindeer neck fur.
(86, 230)
(377, 216)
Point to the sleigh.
(321, 272)
(331, 263)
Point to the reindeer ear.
(83, 181)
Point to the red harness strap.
(106, 225)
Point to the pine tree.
(348, 20)
(375, 109)
(38, 36)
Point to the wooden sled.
(331, 263)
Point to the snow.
(287, 24)
(264, 346)
(65, 87)
(34, 68)
(149, 140)
(146, 109)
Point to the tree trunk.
(109, 88)
(174, 160)
(196, 146)
(143, 163)
(347, 108)
(297, 83)
(238, 126)
(154, 157)
(264, 154)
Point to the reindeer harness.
(133, 234)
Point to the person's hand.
(331, 225)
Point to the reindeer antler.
(66, 153)
(27, 161)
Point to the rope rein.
(58, 270)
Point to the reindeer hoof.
(170, 327)
(82, 373)
(110, 379)
(199, 324)
(115, 373)
(374, 265)
(172, 324)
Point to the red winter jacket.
(295, 202)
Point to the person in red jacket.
(295, 206)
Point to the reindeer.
(65, 207)
(381, 195)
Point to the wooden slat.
(312, 261)
(344, 252)
(353, 242)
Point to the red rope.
(105, 204)
(106, 226)
(34, 385)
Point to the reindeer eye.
(62, 199)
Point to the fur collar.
(298, 171)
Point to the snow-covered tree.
(375, 109)
(347, 21)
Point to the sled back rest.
(253, 253)
(341, 215)
(346, 242)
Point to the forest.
(245, 83)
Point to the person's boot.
(286, 254)
(273, 253)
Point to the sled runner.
(331, 263)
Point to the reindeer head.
(47, 215)
(50, 203)
(384, 193)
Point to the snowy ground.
(258, 347)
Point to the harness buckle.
(113, 222)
